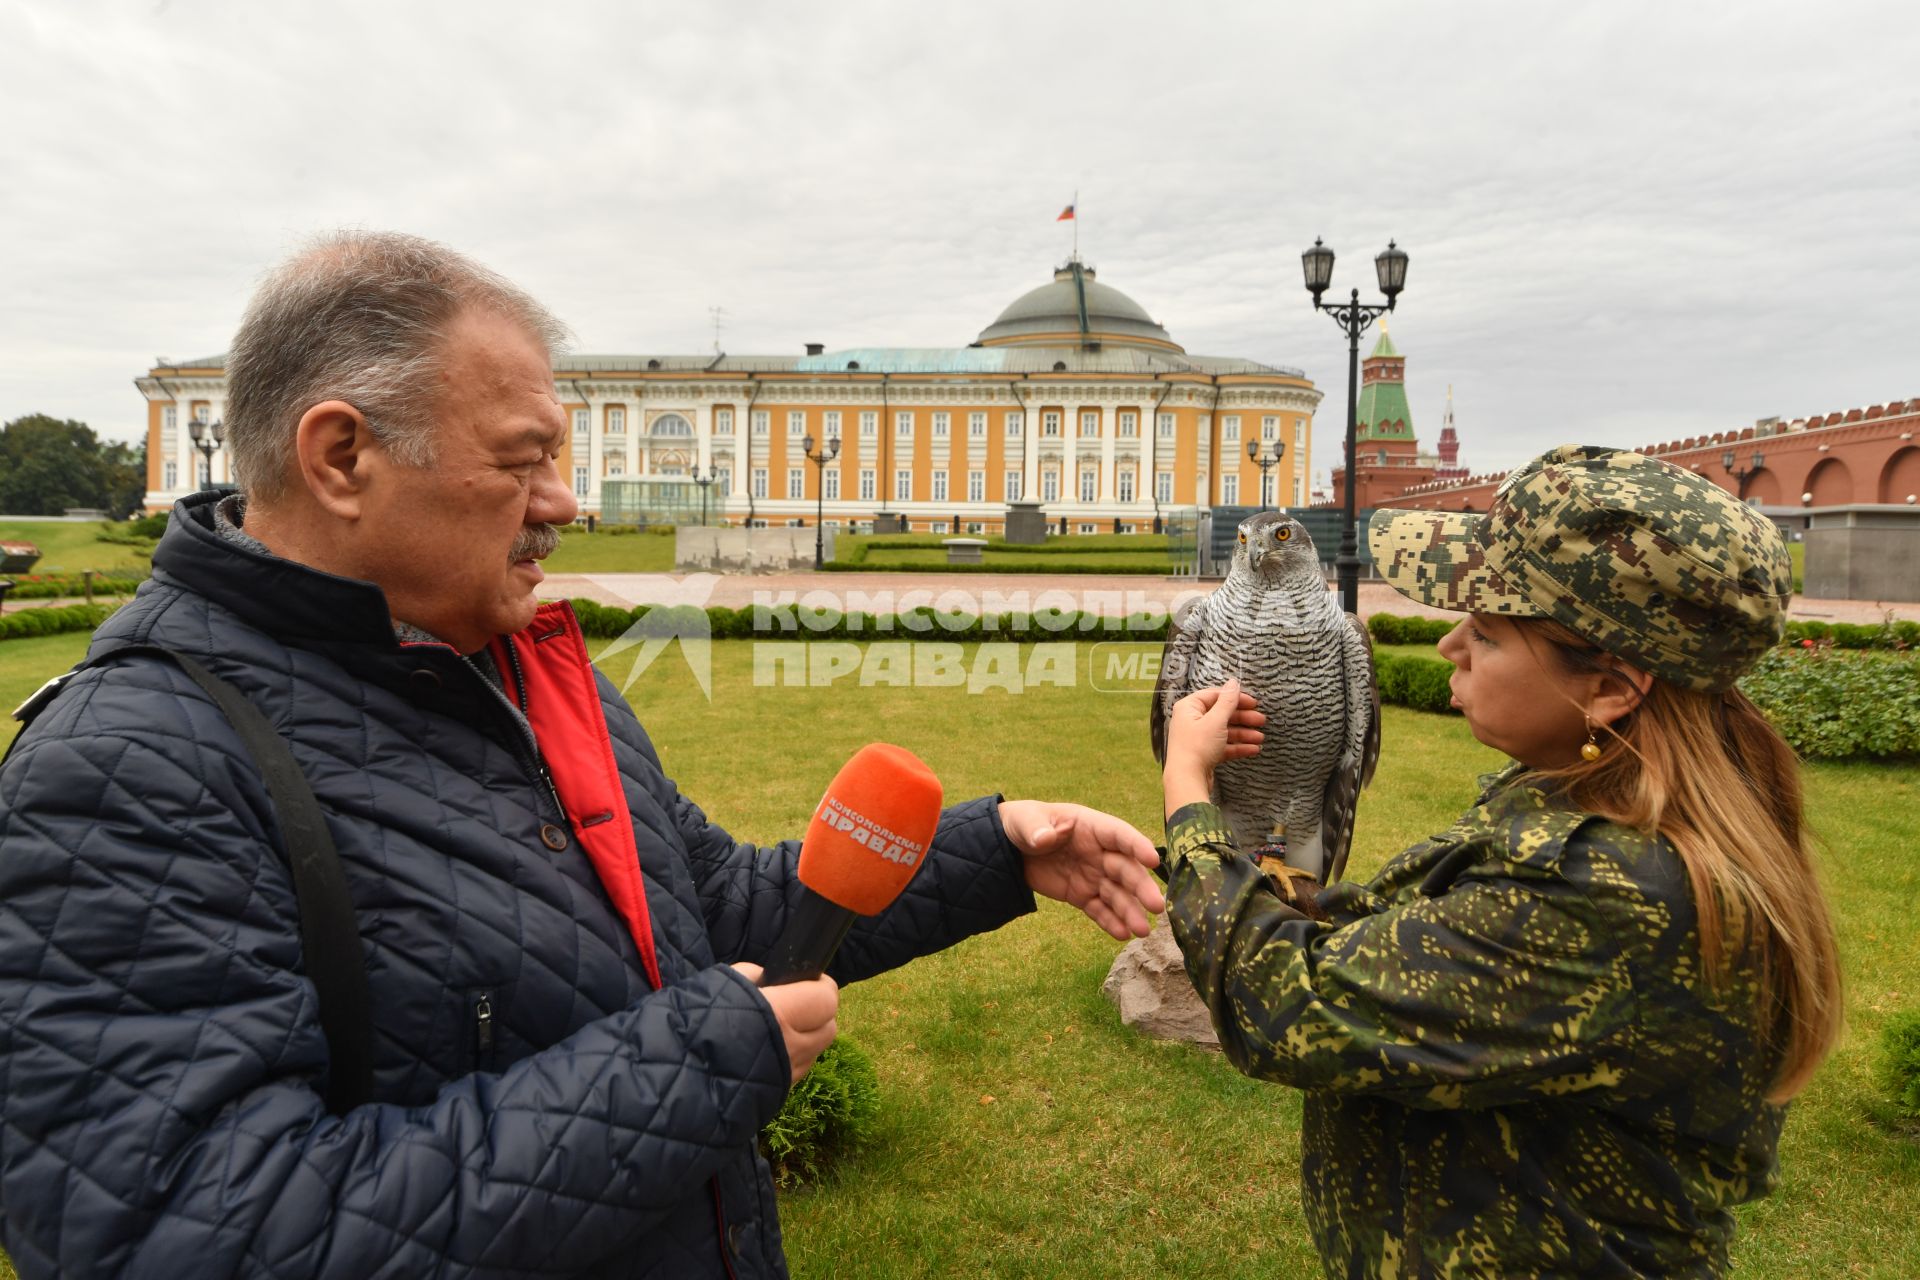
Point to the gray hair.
(357, 316)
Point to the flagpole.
(1076, 224)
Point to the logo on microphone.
(869, 834)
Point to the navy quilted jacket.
(541, 1108)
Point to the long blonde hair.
(1695, 767)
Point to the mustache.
(534, 542)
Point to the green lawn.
(68, 547)
(603, 552)
(1026, 1134)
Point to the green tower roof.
(1384, 347)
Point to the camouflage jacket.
(1513, 1064)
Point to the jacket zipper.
(530, 760)
(483, 1031)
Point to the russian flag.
(1066, 215)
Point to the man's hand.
(806, 1014)
(1087, 858)
(1206, 728)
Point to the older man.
(567, 1076)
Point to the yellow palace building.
(1074, 397)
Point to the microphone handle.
(815, 927)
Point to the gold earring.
(1591, 751)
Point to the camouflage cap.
(1650, 562)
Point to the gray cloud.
(1627, 222)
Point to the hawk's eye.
(1282, 534)
(1243, 539)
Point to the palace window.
(1163, 486)
(1266, 489)
(723, 478)
(942, 424)
(1012, 490)
(1300, 434)
(938, 526)
(723, 421)
(1088, 481)
(170, 475)
(1229, 490)
(761, 421)
(903, 424)
(869, 423)
(1086, 528)
(582, 421)
(1124, 484)
(1230, 429)
(1269, 429)
(830, 423)
(1049, 486)
(580, 481)
(939, 486)
(1299, 492)
(760, 483)
(1130, 425)
(1016, 423)
(977, 426)
(1090, 424)
(976, 486)
(796, 482)
(1050, 423)
(831, 479)
(616, 420)
(796, 423)
(1166, 426)
(866, 483)
(616, 466)
(170, 420)
(903, 486)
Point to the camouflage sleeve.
(1492, 992)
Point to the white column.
(1029, 451)
(1109, 423)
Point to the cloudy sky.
(1628, 222)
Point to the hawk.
(1273, 626)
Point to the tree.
(50, 464)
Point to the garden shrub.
(832, 1110)
(1896, 1068)
(1833, 705)
(1890, 634)
(55, 586)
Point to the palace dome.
(1053, 313)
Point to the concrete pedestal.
(1866, 551)
(887, 522)
(1026, 523)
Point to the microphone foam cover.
(872, 830)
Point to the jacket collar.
(280, 597)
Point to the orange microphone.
(870, 834)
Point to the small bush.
(1889, 634)
(832, 1110)
(1409, 681)
(1896, 1068)
(1833, 705)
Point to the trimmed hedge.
(1855, 635)
(20, 623)
(1419, 683)
(1390, 628)
(54, 586)
(831, 1110)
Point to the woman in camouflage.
(1557, 1039)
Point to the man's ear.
(1617, 691)
(334, 456)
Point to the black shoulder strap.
(329, 932)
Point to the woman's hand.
(1205, 728)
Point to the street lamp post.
(1265, 462)
(819, 461)
(704, 482)
(1740, 474)
(207, 438)
(1354, 317)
